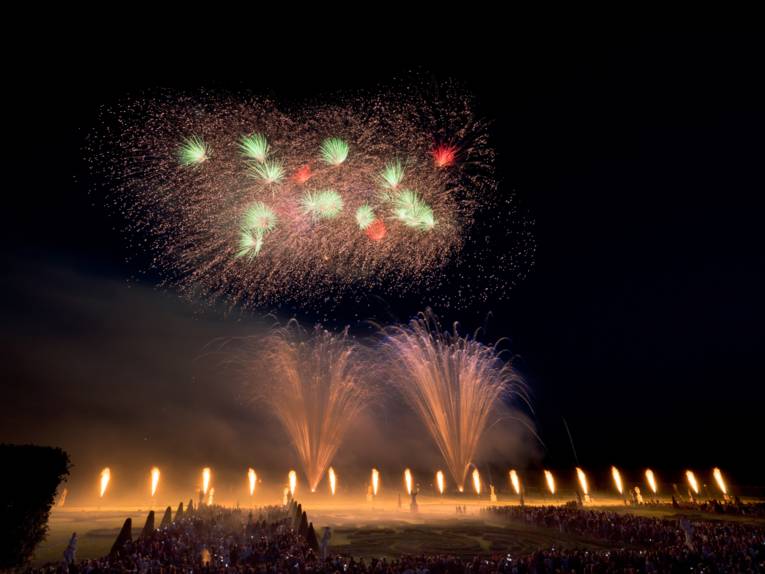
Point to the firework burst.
(258, 221)
(192, 215)
(334, 151)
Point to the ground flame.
(205, 479)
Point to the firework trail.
(651, 478)
(720, 480)
(312, 382)
(205, 479)
(408, 481)
(692, 482)
(238, 199)
(516, 482)
(332, 481)
(375, 481)
(617, 476)
(252, 480)
(106, 475)
(154, 480)
(292, 478)
(550, 479)
(451, 382)
(440, 483)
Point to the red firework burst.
(303, 174)
(376, 230)
(444, 155)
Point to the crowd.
(279, 539)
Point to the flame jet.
(440, 482)
(154, 480)
(252, 479)
(375, 481)
(451, 382)
(651, 478)
(106, 475)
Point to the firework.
(408, 481)
(211, 497)
(312, 382)
(412, 211)
(252, 480)
(692, 481)
(392, 175)
(516, 482)
(719, 480)
(582, 481)
(332, 480)
(476, 481)
(154, 480)
(254, 147)
(451, 382)
(193, 151)
(292, 479)
(206, 479)
(106, 476)
(334, 151)
(617, 479)
(444, 155)
(258, 221)
(268, 171)
(651, 479)
(365, 215)
(440, 482)
(375, 481)
(550, 479)
(191, 214)
(324, 204)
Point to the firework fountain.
(452, 383)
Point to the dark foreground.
(278, 539)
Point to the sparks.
(412, 211)
(651, 479)
(476, 481)
(692, 481)
(292, 477)
(582, 480)
(205, 479)
(154, 480)
(376, 230)
(719, 480)
(106, 476)
(408, 480)
(365, 215)
(550, 479)
(440, 481)
(324, 204)
(193, 151)
(258, 221)
(392, 175)
(254, 147)
(516, 482)
(268, 171)
(252, 479)
(444, 155)
(332, 480)
(303, 174)
(334, 151)
(375, 481)
(617, 479)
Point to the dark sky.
(640, 159)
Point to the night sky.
(640, 323)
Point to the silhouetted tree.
(28, 483)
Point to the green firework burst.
(193, 151)
(365, 215)
(393, 174)
(254, 147)
(334, 150)
(323, 204)
(412, 211)
(258, 221)
(268, 171)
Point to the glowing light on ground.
(550, 479)
(252, 480)
(206, 473)
(154, 480)
(617, 479)
(106, 476)
(651, 479)
(408, 481)
(292, 478)
(375, 481)
(332, 481)
(476, 481)
(515, 481)
(692, 482)
(582, 480)
(440, 482)
(719, 480)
